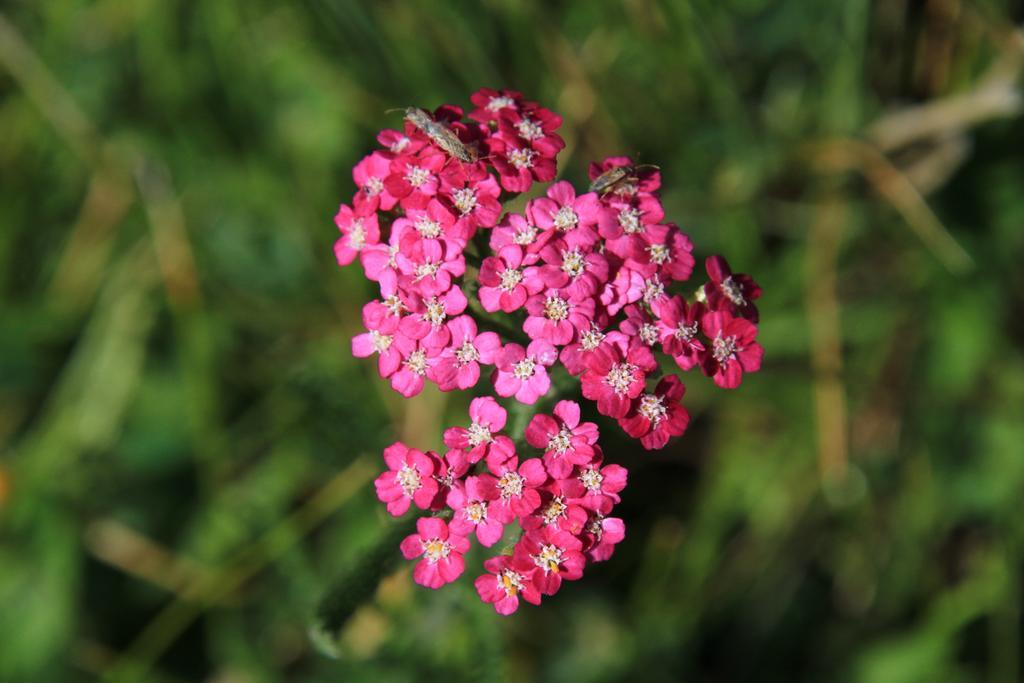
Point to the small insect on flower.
(441, 135)
(616, 176)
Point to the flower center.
(573, 263)
(524, 368)
(464, 200)
(398, 145)
(555, 509)
(566, 219)
(511, 582)
(374, 186)
(653, 289)
(521, 158)
(381, 342)
(723, 348)
(591, 478)
(394, 305)
(428, 269)
(427, 228)
(649, 334)
(556, 308)
(560, 442)
(530, 129)
(500, 102)
(510, 279)
(525, 236)
(416, 175)
(629, 219)
(733, 291)
(659, 254)
(549, 557)
(685, 332)
(591, 339)
(652, 408)
(594, 526)
(620, 377)
(357, 234)
(417, 362)
(511, 485)
(435, 313)
(435, 549)
(476, 511)
(478, 434)
(409, 479)
(467, 353)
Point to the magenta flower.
(557, 555)
(580, 273)
(449, 472)
(558, 507)
(471, 504)
(555, 318)
(509, 578)
(505, 283)
(427, 319)
(492, 103)
(428, 267)
(441, 550)
(678, 325)
(408, 479)
(397, 142)
(471, 193)
(671, 251)
(433, 223)
(566, 441)
(379, 339)
(459, 364)
(614, 377)
(519, 165)
(574, 356)
(413, 178)
(358, 231)
(369, 175)
(601, 486)
(733, 349)
(600, 536)
(417, 361)
(517, 487)
(625, 224)
(481, 440)
(523, 372)
(536, 126)
(656, 418)
(639, 326)
(732, 293)
(515, 229)
(574, 218)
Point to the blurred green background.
(187, 446)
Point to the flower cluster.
(584, 284)
(561, 502)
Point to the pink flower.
(380, 340)
(434, 223)
(379, 260)
(428, 315)
(574, 356)
(459, 364)
(536, 126)
(671, 251)
(519, 165)
(734, 294)
(369, 175)
(574, 218)
(397, 142)
(600, 536)
(640, 327)
(515, 229)
(358, 231)
(450, 472)
(601, 486)
(428, 268)
(505, 283)
(408, 479)
(471, 505)
(523, 372)
(655, 418)
(678, 325)
(481, 440)
(625, 224)
(558, 507)
(413, 178)
(733, 350)
(614, 377)
(441, 550)
(634, 282)
(472, 194)
(508, 579)
(566, 442)
(517, 487)
(580, 273)
(417, 361)
(555, 318)
(557, 555)
(491, 103)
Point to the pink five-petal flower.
(413, 178)
(441, 550)
(733, 348)
(450, 472)
(733, 293)
(491, 103)
(481, 439)
(504, 283)
(639, 326)
(472, 194)
(574, 356)
(678, 326)
(408, 479)
(379, 339)
(519, 165)
(657, 417)
(600, 535)
(428, 316)
(556, 318)
(626, 224)
(601, 486)
(359, 230)
(523, 372)
(557, 555)
(508, 580)
(471, 504)
(369, 175)
(428, 267)
(536, 126)
(434, 222)
(417, 361)
(574, 218)
(459, 364)
(581, 274)
(558, 507)
(565, 440)
(517, 487)
(614, 377)
(516, 229)
(671, 251)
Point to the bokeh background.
(187, 446)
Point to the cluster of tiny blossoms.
(584, 282)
